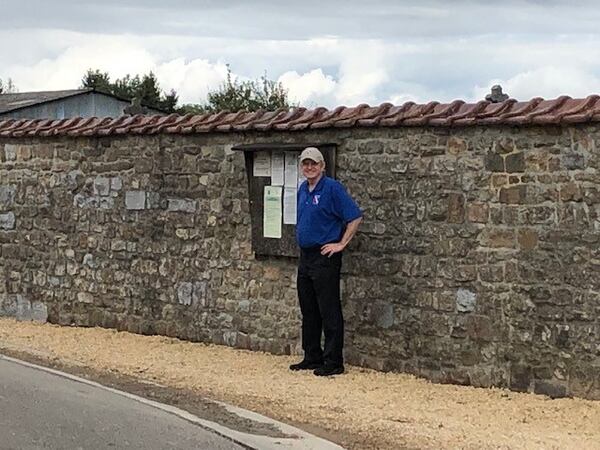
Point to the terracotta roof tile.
(536, 111)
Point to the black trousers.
(319, 296)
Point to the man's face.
(311, 169)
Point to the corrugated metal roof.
(19, 100)
(562, 110)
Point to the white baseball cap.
(311, 153)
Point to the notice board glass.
(270, 174)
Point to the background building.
(67, 104)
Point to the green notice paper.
(272, 212)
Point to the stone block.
(456, 208)
(199, 293)
(135, 200)
(550, 388)
(85, 297)
(383, 314)
(513, 195)
(20, 308)
(116, 184)
(84, 201)
(456, 145)
(90, 261)
(23, 309)
(106, 203)
(571, 192)
(520, 378)
(118, 246)
(143, 165)
(399, 167)
(528, 239)
(574, 161)
(244, 306)
(153, 200)
(44, 151)
(10, 152)
(39, 312)
(113, 166)
(74, 179)
(7, 221)
(184, 293)
(479, 328)
(7, 196)
(24, 153)
(8, 306)
(581, 384)
(465, 300)
(504, 145)
(494, 162)
(498, 238)
(515, 162)
(491, 273)
(181, 205)
(372, 147)
(539, 215)
(478, 212)
(101, 186)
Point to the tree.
(169, 101)
(7, 87)
(145, 88)
(234, 95)
(148, 91)
(97, 80)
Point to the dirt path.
(359, 410)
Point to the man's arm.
(351, 228)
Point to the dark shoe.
(306, 365)
(326, 371)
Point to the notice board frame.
(286, 246)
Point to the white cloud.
(192, 79)
(547, 82)
(363, 72)
(111, 54)
(119, 56)
(312, 88)
(319, 71)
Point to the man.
(327, 220)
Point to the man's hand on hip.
(329, 249)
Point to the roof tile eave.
(457, 113)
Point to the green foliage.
(252, 95)
(7, 87)
(145, 88)
(233, 95)
(192, 108)
(169, 101)
(97, 80)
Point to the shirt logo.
(316, 199)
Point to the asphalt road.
(39, 410)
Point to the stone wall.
(478, 261)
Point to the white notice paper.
(272, 212)
(277, 169)
(291, 169)
(262, 164)
(289, 205)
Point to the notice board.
(272, 192)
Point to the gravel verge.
(362, 409)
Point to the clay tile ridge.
(536, 111)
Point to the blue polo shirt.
(323, 213)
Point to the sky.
(325, 53)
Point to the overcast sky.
(326, 52)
